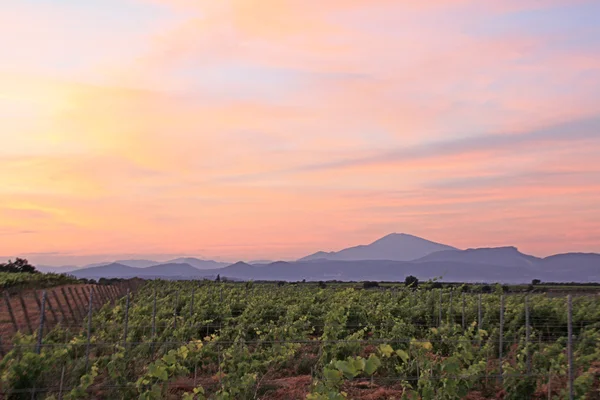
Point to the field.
(199, 339)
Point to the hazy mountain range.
(390, 258)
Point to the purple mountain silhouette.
(395, 247)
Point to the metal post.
(10, 312)
(175, 310)
(479, 319)
(440, 309)
(570, 344)
(38, 348)
(51, 308)
(25, 313)
(463, 311)
(192, 302)
(451, 316)
(62, 381)
(527, 335)
(89, 328)
(126, 322)
(501, 344)
(153, 321)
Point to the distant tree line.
(20, 265)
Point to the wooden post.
(81, 298)
(25, 313)
(64, 293)
(10, 312)
(59, 306)
(78, 305)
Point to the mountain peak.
(393, 247)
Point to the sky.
(241, 129)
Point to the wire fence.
(73, 309)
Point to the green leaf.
(372, 364)
(334, 377)
(386, 350)
(402, 354)
(158, 372)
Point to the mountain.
(394, 247)
(117, 270)
(570, 266)
(500, 256)
(198, 263)
(129, 263)
(58, 270)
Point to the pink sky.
(244, 130)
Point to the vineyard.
(215, 340)
(21, 281)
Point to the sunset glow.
(272, 129)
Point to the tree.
(411, 281)
(368, 285)
(486, 289)
(536, 282)
(218, 278)
(20, 265)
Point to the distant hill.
(500, 256)
(129, 263)
(59, 270)
(116, 270)
(390, 258)
(198, 263)
(394, 247)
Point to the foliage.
(20, 265)
(232, 340)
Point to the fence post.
(25, 313)
(51, 308)
(10, 312)
(64, 292)
(153, 321)
(78, 305)
(463, 311)
(60, 308)
(62, 381)
(38, 348)
(500, 341)
(440, 308)
(527, 335)
(81, 300)
(192, 301)
(451, 316)
(175, 309)
(126, 323)
(570, 344)
(479, 319)
(89, 328)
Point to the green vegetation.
(239, 340)
(12, 280)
